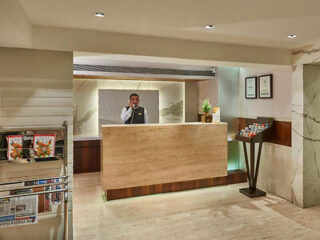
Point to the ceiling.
(245, 22)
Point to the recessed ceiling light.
(210, 26)
(292, 36)
(99, 14)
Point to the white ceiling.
(247, 22)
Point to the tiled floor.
(211, 213)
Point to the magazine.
(19, 211)
(44, 145)
(14, 147)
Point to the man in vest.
(134, 114)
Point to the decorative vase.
(206, 118)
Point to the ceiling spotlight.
(292, 36)
(210, 27)
(99, 14)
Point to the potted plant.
(206, 109)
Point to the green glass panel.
(233, 155)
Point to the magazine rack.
(62, 156)
(253, 169)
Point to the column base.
(252, 194)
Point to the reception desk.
(154, 158)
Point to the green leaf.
(206, 106)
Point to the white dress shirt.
(126, 114)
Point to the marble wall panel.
(311, 136)
(85, 93)
(305, 124)
(297, 136)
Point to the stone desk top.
(164, 124)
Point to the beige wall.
(107, 42)
(36, 89)
(275, 158)
(15, 28)
(279, 106)
(209, 89)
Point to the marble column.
(311, 135)
(297, 136)
(306, 123)
(306, 135)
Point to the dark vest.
(138, 117)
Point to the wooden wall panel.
(281, 133)
(235, 176)
(86, 156)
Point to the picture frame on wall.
(265, 86)
(251, 88)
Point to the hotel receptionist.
(133, 113)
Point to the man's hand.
(130, 104)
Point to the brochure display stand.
(27, 149)
(256, 131)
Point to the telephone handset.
(134, 109)
(133, 105)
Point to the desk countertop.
(164, 124)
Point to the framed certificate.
(265, 86)
(251, 88)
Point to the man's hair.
(132, 95)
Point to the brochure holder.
(253, 167)
(61, 180)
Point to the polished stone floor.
(211, 213)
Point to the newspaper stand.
(63, 178)
(253, 169)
